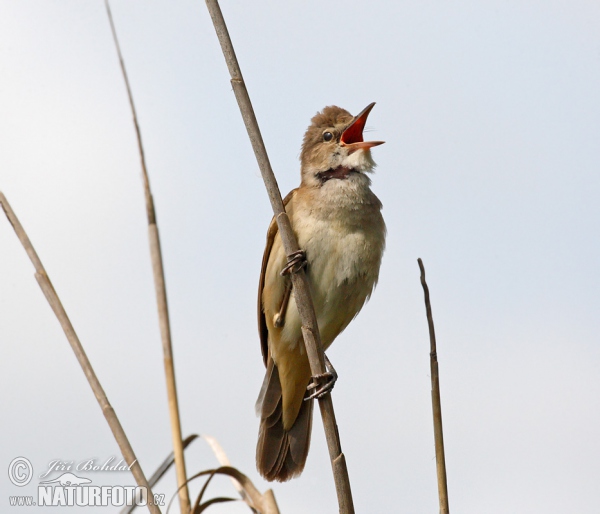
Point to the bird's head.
(333, 147)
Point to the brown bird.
(337, 221)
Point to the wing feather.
(263, 331)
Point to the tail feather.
(270, 392)
(299, 435)
(280, 454)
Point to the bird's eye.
(327, 136)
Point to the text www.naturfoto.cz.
(99, 496)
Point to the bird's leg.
(279, 318)
(322, 384)
(296, 261)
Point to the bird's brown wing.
(263, 331)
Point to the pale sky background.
(490, 173)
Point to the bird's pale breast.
(343, 234)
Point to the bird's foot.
(296, 261)
(322, 384)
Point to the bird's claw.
(296, 261)
(322, 384)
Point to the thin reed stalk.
(436, 402)
(161, 296)
(310, 330)
(54, 301)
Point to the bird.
(337, 221)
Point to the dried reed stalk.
(268, 498)
(438, 431)
(258, 503)
(54, 301)
(261, 503)
(161, 296)
(310, 331)
(166, 465)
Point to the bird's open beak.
(352, 137)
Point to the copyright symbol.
(20, 471)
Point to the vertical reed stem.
(310, 330)
(438, 431)
(161, 296)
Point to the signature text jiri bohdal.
(110, 464)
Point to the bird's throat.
(341, 172)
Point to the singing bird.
(337, 221)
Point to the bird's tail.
(280, 454)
